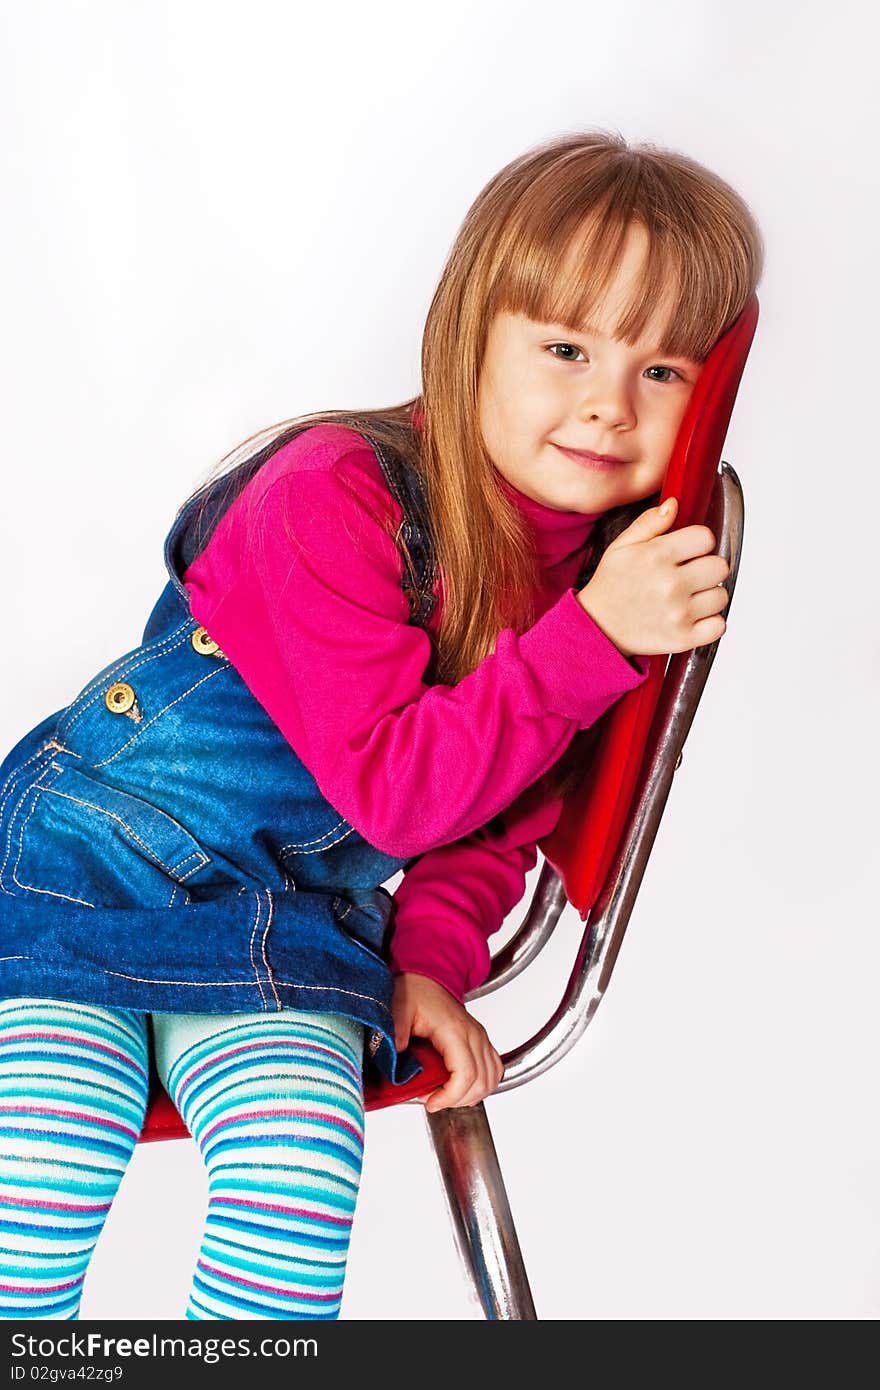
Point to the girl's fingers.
(475, 1093)
(474, 1074)
(708, 630)
(490, 1070)
(710, 601)
(706, 573)
(463, 1071)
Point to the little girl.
(379, 637)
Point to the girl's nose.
(608, 401)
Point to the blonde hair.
(544, 238)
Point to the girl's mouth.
(605, 463)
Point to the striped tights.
(275, 1104)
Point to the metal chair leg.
(480, 1212)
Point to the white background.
(216, 216)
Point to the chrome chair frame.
(476, 1198)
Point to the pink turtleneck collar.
(557, 534)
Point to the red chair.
(595, 859)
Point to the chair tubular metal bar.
(480, 1212)
(603, 934)
(533, 933)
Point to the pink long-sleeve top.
(300, 585)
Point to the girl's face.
(544, 392)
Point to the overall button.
(119, 698)
(205, 644)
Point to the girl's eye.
(570, 346)
(664, 369)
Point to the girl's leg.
(73, 1092)
(275, 1104)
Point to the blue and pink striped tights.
(275, 1104)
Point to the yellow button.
(205, 644)
(119, 698)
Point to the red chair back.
(583, 843)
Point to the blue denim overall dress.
(164, 849)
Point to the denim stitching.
(304, 844)
(7, 788)
(196, 854)
(39, 790)
(36, 788)
(263, 949)
(285, 849)
(217, 672)
(251, 950)
(230, 984)
(337, 989)
(98, 682)
(188, 984)
(112, 815)
(236, 984)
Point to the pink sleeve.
(300, 586)
(452, 899)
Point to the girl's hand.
(423, 1007)
(655, 593)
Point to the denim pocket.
(76, 838)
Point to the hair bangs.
(688, 290)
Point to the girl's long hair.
(544, 238)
